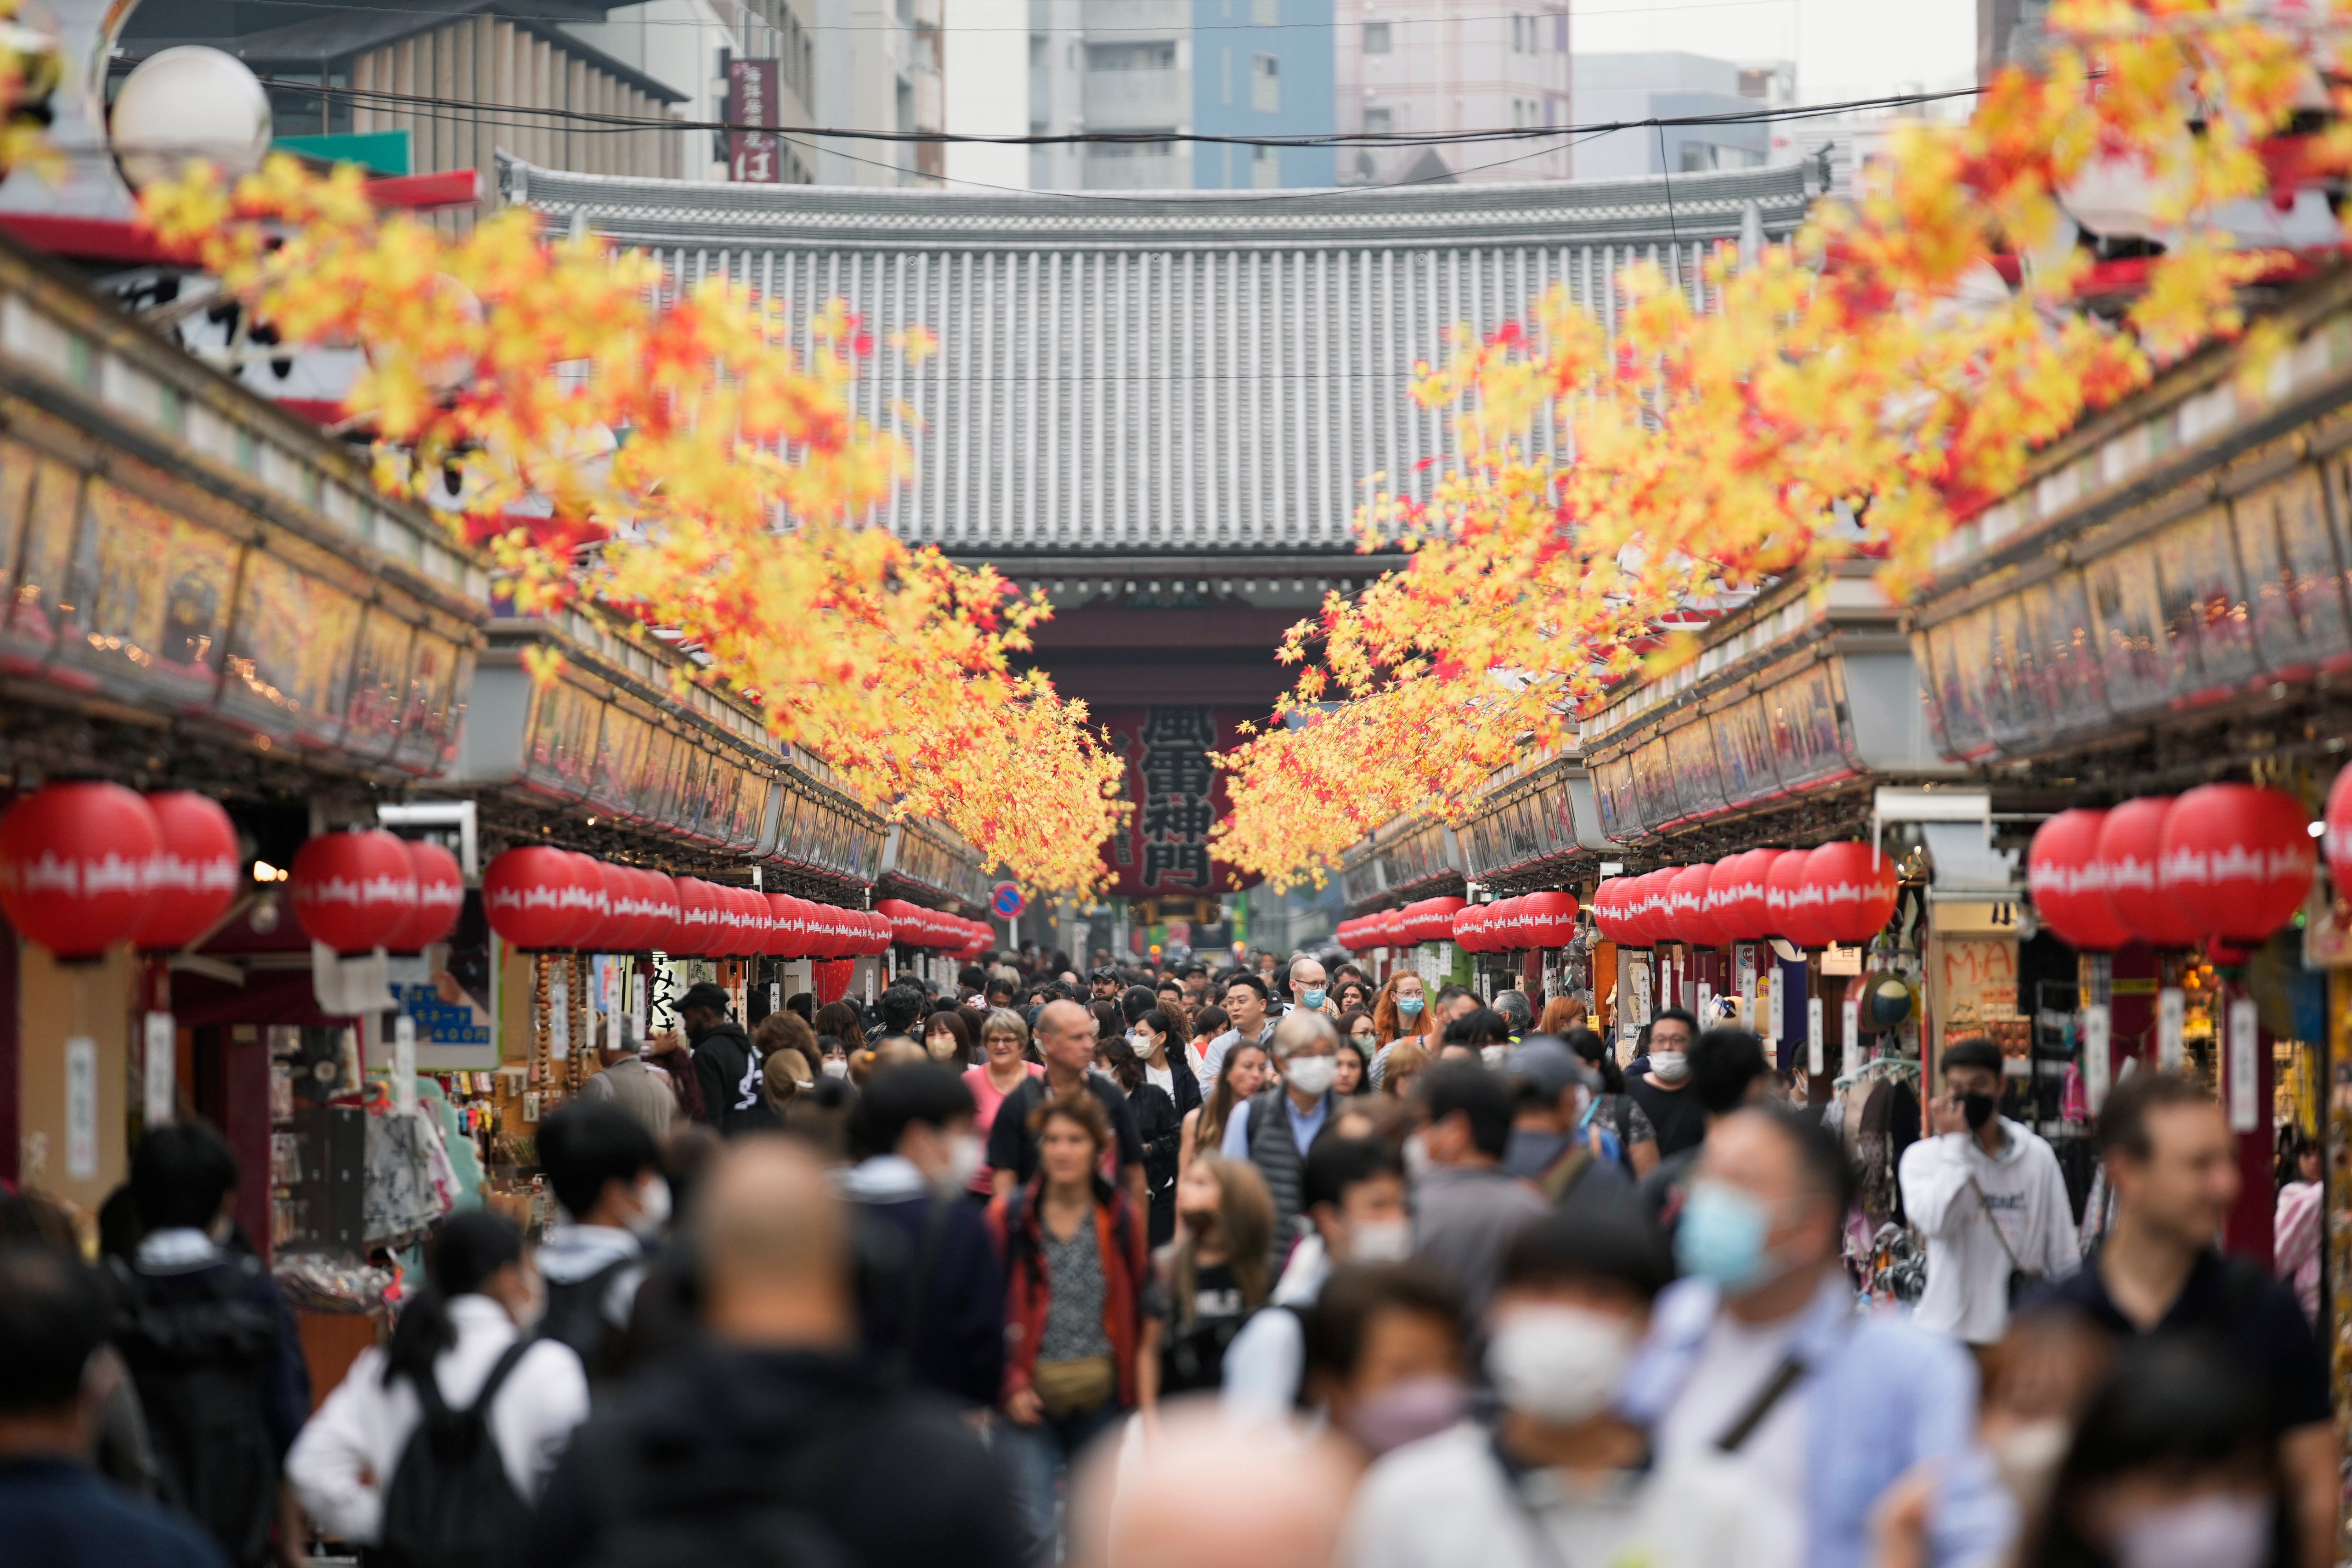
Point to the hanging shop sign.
(1179, 794)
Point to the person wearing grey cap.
(1551, 1094)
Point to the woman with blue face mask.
(1403, 1014)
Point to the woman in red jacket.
(1075, 1273)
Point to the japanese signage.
(752, 155)
(1177, 794)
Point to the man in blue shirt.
(54, 1512)
(1274, 1129)
(1759, 1354)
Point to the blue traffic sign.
(1007, 901)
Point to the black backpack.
(575, 1316)
(451, 1503)
(197, 1347)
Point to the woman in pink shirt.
(1004, 1037)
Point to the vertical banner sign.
(81, 1108)
(1177, 794)
(2245, 1067)
(1815, 1044)
(2097, 1066)
(1743, 963)
(404, 1063)
(161, 1065)
(2171, 1027)
(752, 156)
(1850, 1018)
(558, 1008)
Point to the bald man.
(1065, 1038)
(757, 1442)
(1150, 1515)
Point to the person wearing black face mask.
(1988, 1195)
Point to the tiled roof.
(1212, 372)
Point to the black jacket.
(957, 1345)
(729, 1072)
(723, 1456)
(1162, 1127)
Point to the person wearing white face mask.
(931, 1300)
(1274, 1129)
(464, 1343)
(1663, 1092)
(1559, 1476)
(607, 1175)
(1354, 1192)
(2171, 1466)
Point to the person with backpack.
(431, 1451)
(211, 1347)
(606, 1173)
(1075, 1267)
(930, 1289)
(56, 1510)
(765, 1438)
(1552, 1096)
(1618, 1129)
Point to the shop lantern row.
(547, 899)
(2224, 865)
(86, 865)
(1534, 920)
(1841, 894)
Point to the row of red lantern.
(912, 925)
(1841, 893)
(1430, 920)
(2228, 863)
(1508, 925)
(546, 900)
(86, 865)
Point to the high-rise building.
(878, 69)
(1419, 68)
(1165, 68)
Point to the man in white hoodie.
(1988, 1194)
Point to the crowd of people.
(1272, 1266)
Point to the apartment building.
(1411, 67)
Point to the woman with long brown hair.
(840, 1020)
(1217, 1272)
(1402, 1014)
(1074, 1262)
(1237, 1081)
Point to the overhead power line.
(533, 116)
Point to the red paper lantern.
(1624, 911)
(191, 877)
(2130, 845)
(1715, 906)
(695, 932)
(2337, 815)
(822, 941)
(1793, 902)
(1859, 888)
(1552, 917)
(440, 897)
(1746, 895)
(353, 891)
(524, 898)
(1606, 899)
(588, 895)
(73, 865)
(2239, 858)
(1467, 922)
(2069, 882)
(901, 915)
(955, 932)
(1388, 928)
(658, 898)
(1685, 897)
(1640, 910)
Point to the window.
(1266, 84)
(1266, 169)
(1265, 12)
(1379, 121)
(1160, 55)
(1699, 157)
(1116, 149)
(1376, 37)
(1523, 35)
